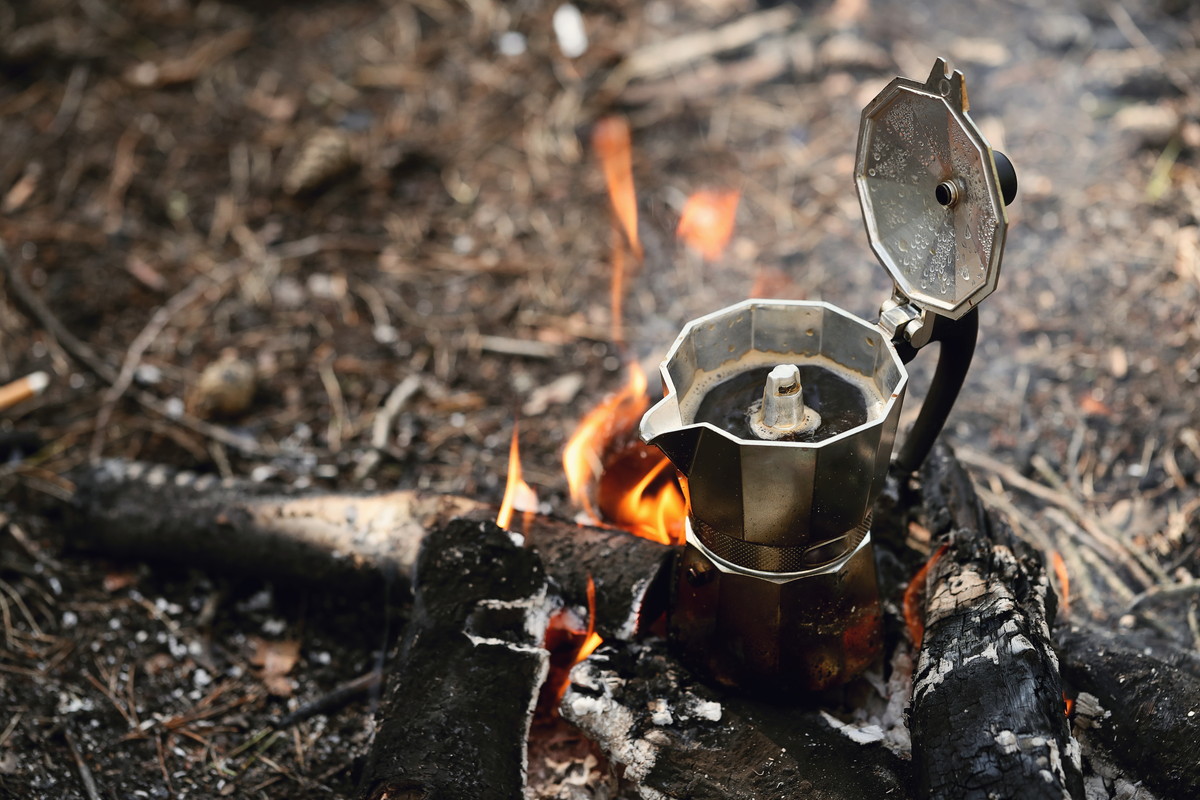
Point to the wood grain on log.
(987, 712)
(128, 509)
(461, 693)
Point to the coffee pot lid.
(931, 194)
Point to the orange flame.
(635, 488)
(582, 455)
(1068, 705)
(635, 482)
(654, 508)
(913, 596)
(706, 223)
(592, 640)
(1064, 581)
(518, 495)
(568, 642)
(614, 145)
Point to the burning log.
(677, 738)
(1144, 709)
(462, 690)
(132, 510)
(987, 711)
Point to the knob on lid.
(931, 196)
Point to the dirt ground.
(346, 196)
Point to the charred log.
(987, 711)
(1145, 711)
(677, 738)
(132, 510)
(462, 690)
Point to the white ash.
(1088, 711)
(70, 704)
(538, 609)
(860, 733)
(881, 717)
(696, 708)
(1108, 782)
(660, 711)
(991, 654)
(609, 722)
(629, 626)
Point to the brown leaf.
(1092, 407)
(116, 580)
(275, 659)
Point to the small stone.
(225, 388)
(569, 31)
(511, 44)
(1118, 361)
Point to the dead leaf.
(275, 659)
(1092, 407)
(116, 580)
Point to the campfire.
(744, 594)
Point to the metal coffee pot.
(781, 416)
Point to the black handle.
(957, 339)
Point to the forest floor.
(349, 195)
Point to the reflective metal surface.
(777, 494)
(930, 194)
(776, 590)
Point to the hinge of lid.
(904, 321)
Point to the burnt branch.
(1144, 709)
(132, 510)
(987, 712)
(461, 692)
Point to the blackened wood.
(1151, 709)
(631, 574)
(461, 692)
(133, 510)
(676, 738)
(987, 711)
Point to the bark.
(676, 738)
(461, 692)
(987, 711)
(1146, 711)
(132, 510)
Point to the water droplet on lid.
(871, 172)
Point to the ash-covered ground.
(346, 196)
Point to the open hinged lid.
(931, 196)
